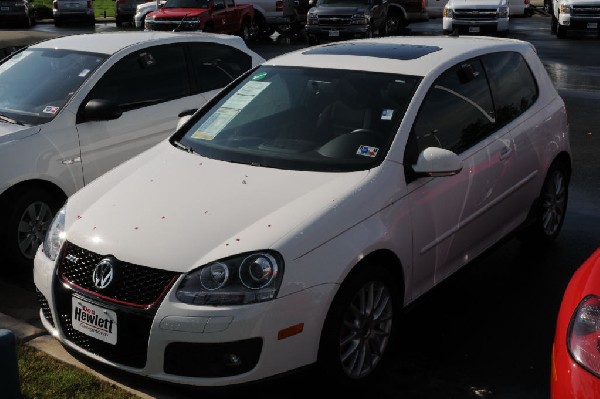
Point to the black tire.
(553, 25)
(312, 40)
(551, 208)
(394, 24)
(561, 31)
(30, 212)
(118, 22)
(361, 327)
(245, 31)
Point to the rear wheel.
(245, 32)
(551, 209)
(361, 325)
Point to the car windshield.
(303, 119)
(35, 84)
(186, 4)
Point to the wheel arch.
(50, 187)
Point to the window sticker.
(260, 76)
(245, 94)
(234, 104)
(49, 109)
(386, 114)
(215, 123)
(367, 151)
(84, 73)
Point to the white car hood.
(11, 131)
(176, 211)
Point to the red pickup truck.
(217, 16)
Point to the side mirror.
(437, 162)
(182, 121)
(219, 6)
(101, 110)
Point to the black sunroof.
(380, 50)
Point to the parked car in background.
(113, 95)
(520, 8)
(295, 215)
(331, 20)
(281, 16)
(73, 11)
(219, 16)
(575, 15)
(575, 353)
(144, 9)
(125, 10)
(17, 13)
(435, 8)
(476, 17)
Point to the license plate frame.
(474, 29)
(592, 25)
(334, 33)
(94, 321)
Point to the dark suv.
(125, 10)
(348, 19)
(14, 12)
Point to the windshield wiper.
(10, 120)
(184, 147)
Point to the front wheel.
(360, 328)
(561, 31)
(30, 213)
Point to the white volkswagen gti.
(73, 107)
(292, 218)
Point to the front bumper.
(475, 26)
(574, 22)
(171, 25)
(192, 345)
(337, 32)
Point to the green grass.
(100, 7)
(44, 377)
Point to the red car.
(576, 350)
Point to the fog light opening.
(231, 360)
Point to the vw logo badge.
(104, 273)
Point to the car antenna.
(178, 27)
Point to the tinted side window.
(457, 112)
(513, 86)
(146, 77)
(215, 65)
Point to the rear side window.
(215, 65)
(146, 77)
(514, 88)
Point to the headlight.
(503, 12)
(247, 278)
(447, 12)
(55, 237)
(312, 19)
(583, 334)
(149, 18)
(360, 19)
(565, 9)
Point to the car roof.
(409, 55)
(112, 42)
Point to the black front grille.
(133, 330)
(45, 306)
(475, 15)
(334, 20)
(135, 296)
(586, 10)
(134, 285)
